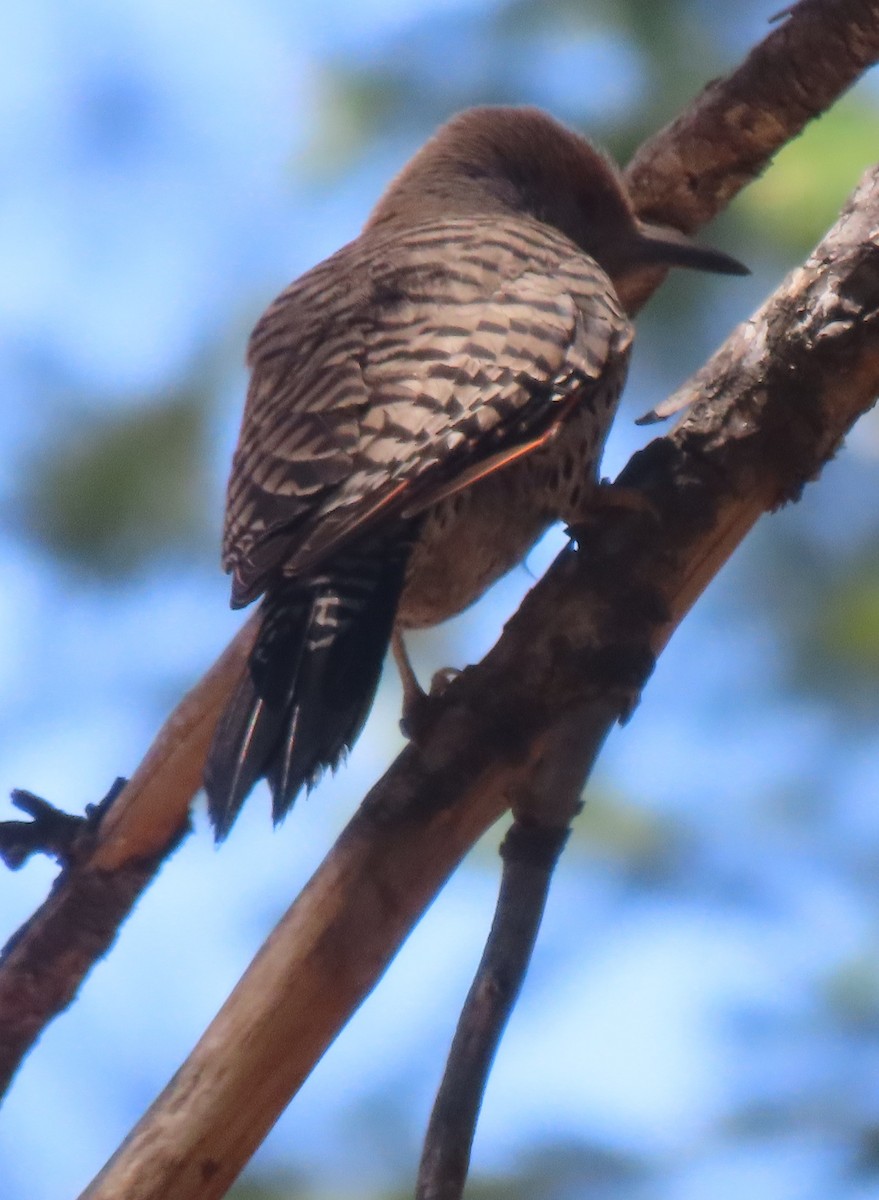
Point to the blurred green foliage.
(847, 627)
(111, 494)
(801, 193)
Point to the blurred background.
(702, 1016)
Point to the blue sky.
(160, 184)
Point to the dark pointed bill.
(668, 246)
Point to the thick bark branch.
(781, 395)
(689, 171)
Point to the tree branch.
(782, 393)
(43, 964)
(524, 886)
(689, 171)
(530, 852)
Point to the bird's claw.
(611, 503)
(441, 680)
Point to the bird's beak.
(663, 245)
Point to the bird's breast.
(470, 539)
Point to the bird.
(422, 406)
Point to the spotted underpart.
(471, 539)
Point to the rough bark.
(778, 398)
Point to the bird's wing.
(420, 372)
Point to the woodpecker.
(422, 406)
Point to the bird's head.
(514, 161)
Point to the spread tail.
(311, 680)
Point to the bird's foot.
(441, 680)
(621, 495)
(50, 830)
(419, 707)
(611, 502)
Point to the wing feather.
(387, 371)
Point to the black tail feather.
(311, 681)
(244, 739)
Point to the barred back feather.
(422, 405)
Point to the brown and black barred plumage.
(423, 404)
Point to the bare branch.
(530, 852)
(43, 965)
(522, 898)
(792, 381)
(689, 171)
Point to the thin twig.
(543, 813)
(529, 854)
